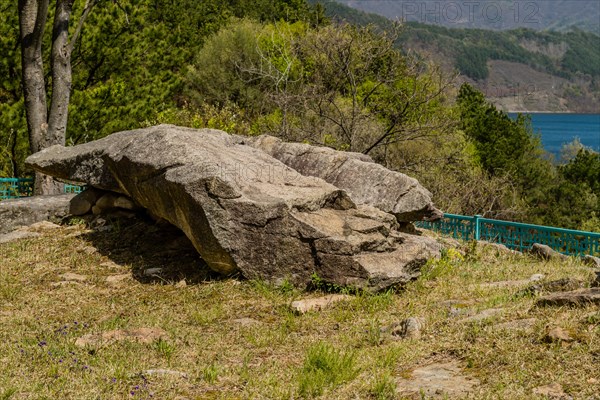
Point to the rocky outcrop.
(365, 181)
(243, 210)
(15, 213)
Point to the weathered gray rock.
(82, 203)
(17, 235)
(445, 380)
(124, 203)
(243, 210)
(544, 252)
(106, 201)
(15, 213)
(365, 181)
(409, 328)
(580, 297)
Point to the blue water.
(559, 129)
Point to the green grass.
(338, 353)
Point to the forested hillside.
(558, 15)
(520, 69)
(282, 68)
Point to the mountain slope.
(519, 70)
(490, 14)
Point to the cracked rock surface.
(244, 210)
(365, 181)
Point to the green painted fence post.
(476, 222)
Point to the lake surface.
(559, 129)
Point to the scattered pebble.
(152, 272)
(317, 304)
(69, 276)
(409, 328)
(557, 334)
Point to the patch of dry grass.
(339, 353)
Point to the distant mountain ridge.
(519, 70)
(559, 15)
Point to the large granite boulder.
(365, 181)
(244, 210)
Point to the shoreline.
(551, 112)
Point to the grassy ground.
(338, 353)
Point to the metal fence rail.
(12, 188)
(515, 235)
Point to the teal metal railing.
(516, 235)
(73, 188)
(11, 188)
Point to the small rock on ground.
(555, 286)
(440, 380)
(485, 314)
(70, 276)
(544, 252)
(152, 272)
(16, 235)
(557, 334)
(579, 297)
(409, 328)
(142, 335)
(317, 304)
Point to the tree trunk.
(61, 86)
(61, 74)
(32, 21)
(47, 128)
